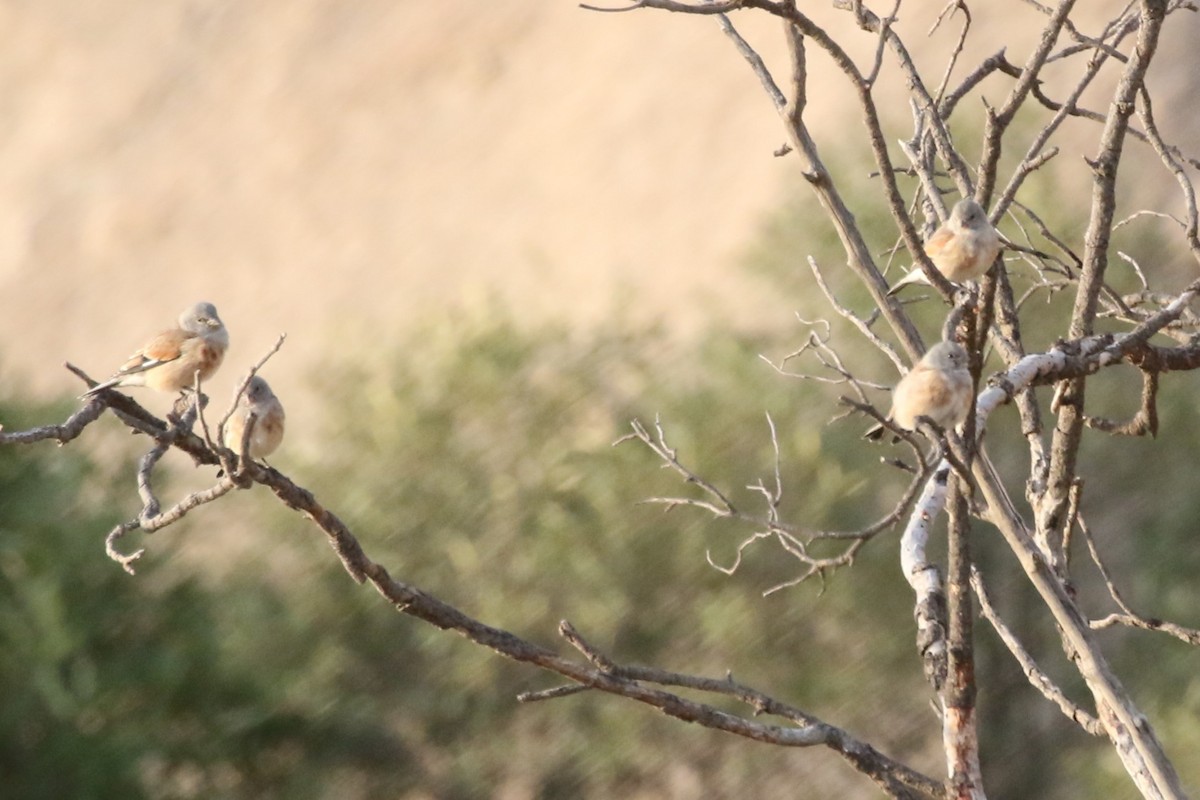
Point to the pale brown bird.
(258, 400)
(962, 249)
(937, 387)
(169, 361)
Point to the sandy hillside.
(297, 162)
(304, 162)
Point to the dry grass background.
(332, 169)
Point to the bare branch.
(1038, 679)
(795, 541)
(1146, 419)
(1128, 616)
(863, 325)
(62, 433)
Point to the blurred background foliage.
(475, 460)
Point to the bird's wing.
(166, 346)
(941, 239)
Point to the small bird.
(169, 362)
(938, 387)
(962, 249)
(258, 400)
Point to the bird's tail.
(915, 275)
(99, 387)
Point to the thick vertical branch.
(959, 724)
(1064, 444)
(960, 736)
(1104, 168)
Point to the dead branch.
(794, 540)
(1038, 679)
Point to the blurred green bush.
(475, 461)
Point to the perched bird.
(258, 400)
(962, 249)
(938, 387)
(169, 362)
